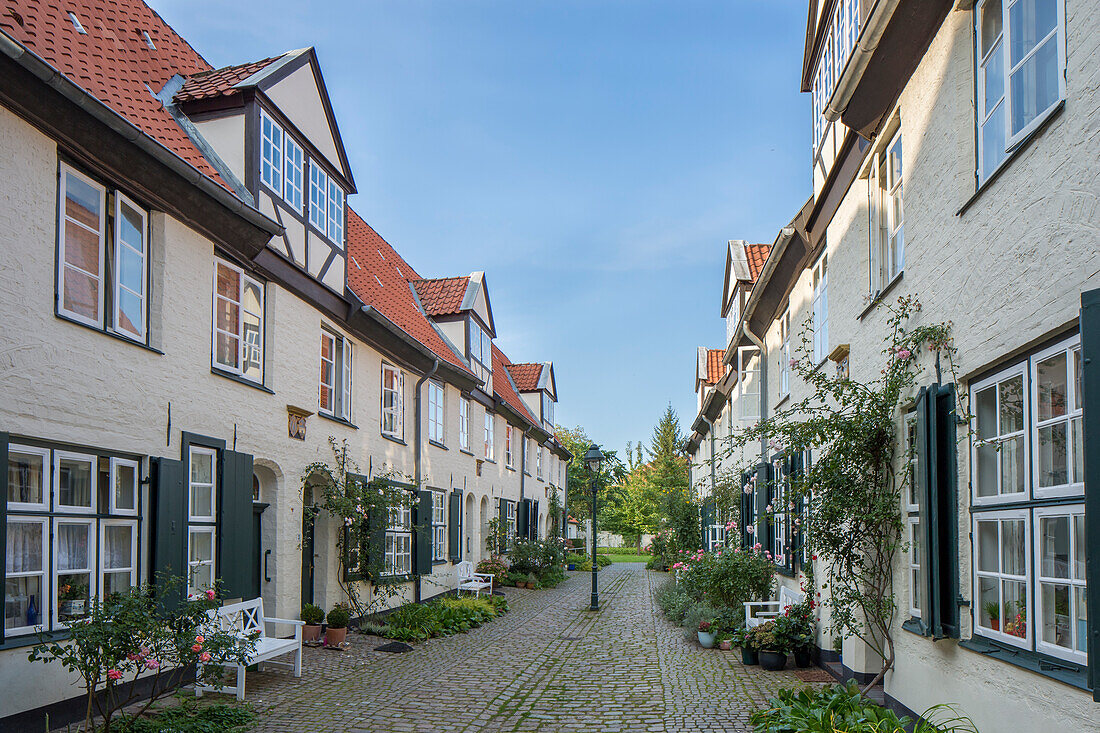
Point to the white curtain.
(117, 545)
(24, 547)
(72, 547)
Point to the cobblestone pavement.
(547, 665)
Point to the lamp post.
(594, 459)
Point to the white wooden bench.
(470, 581)
(767, 610)
(246, 620)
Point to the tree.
(668, 466)
(637, 511)
(579, 480)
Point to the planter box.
(773, 661)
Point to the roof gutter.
(123, 127)
(376, 316)
(866, 44)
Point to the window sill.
(437, 444)
(240, 380)
(915, 626)
(25, 640)
(1070, 673)
(463, 450)
(510, 468)
(785, 572)
(109, 333)
(878, 297)
(440, 562)
(342, 421)
(1011, 156)
(393, 438)
(391, 579)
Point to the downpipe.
(417, 447)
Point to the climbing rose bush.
(727, 577)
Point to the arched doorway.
(265, 507)
(482, 545)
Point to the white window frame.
(820, 309)
(294, 167)
(916, 578)
(885, 193)
(245, 348)
(436, 411)
(399, 542)
(212, 517)
(910, 427)
(63, 222)
(56, 572)
(93, 461)
(395, 412)
(335, 231)
(716, 537)
(1027, 579)
(1073, 412)
(779, 516)
(509, 454)
(784, 355)
(464, 423)
(272, 136)
(490, 437)
(122, 200)
(527, 455)
(439, 527)
(134, 540)
(481, 353)
(318, 197)
(1040, 513)
(993, 381)
(538, 462)
(212, 562)
(111, 492)
(510, 522)
(47, 473)
(45, 593)
(748, 399)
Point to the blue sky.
(591, 156)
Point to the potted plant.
(72, 598)
(337, 631)
(993, 610)
(313, 616)
(532, 580)
(743, 638)
(798, 625)
(706, 634)
(770, 639)
(725, 643)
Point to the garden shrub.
(495, 565)
(417, 622)
(695, 614)
(602, 561)
(191, 717)
(728, 578)
(674, 601)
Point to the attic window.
(76, 24)
(356, 262)
(148, 40)
(378, 281)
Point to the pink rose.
(114, 674)
(210, 594)
(200, 639)
(133, 657)
(205, 656)
(750, 529)
(151, 663)
(904, 354)
(794, 362)
(196, 648)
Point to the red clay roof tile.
(757, 255)
(715, 368)
(219, 82)
(526, 376)
(503, 388)
(442, 296)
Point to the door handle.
(267, 576)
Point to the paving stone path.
(547, 665)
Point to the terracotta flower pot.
(724, 645)
(335, 637)
(311, 632)
(772, 661)
(995, 624)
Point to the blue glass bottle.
(32, 613)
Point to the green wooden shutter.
(169, 511)
(945, 592)
(1090, 393)
(924, 480)
(235, 551)
(706, 514)
(523, 518)
(423, 541)
(534, 523)
(747, 513)
(3, 514)
(454, 526)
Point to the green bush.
(695, 614)
(620, 551)
(493, 566)
(312, 614)
(727, 578)
(573, 558)
(842, 709)
(420, 621)
(338, 617)
(673, 600)
(190, 717)
(602, 561)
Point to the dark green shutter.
(523, 518)
(798, 538)
(235, 551)
(533, 525)
(423, 541)
(706, 519)
(374, 559)
(502, 513)
(923, 478)
(169, 511)
(454, 526)
(3, 513)
(1090, 403)
(747, 513)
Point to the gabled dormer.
(744, 262)
(538, 387)
(461, 309)
(709, 370)
(271, 124)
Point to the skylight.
(76, 24)
(148, 40)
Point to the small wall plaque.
(296, 422)
(840, 356)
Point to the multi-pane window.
(749, 384)
(103, 257)
(538, 462)
(510, 522)
(887, 215)
(335, 375)
(780, 517)
(509, 453)
(839, 41)
(716, 537)
(547, 409)
(527, 456)
(1026, 453)
(293, 174)
(490, 449)
(435, 412)
(71, 534)
(326, 204)
(202, 497)
(393, 402)
(820, 309)
(785, 353)
(1021, 59)
(464, 423)
(238, 329)
(271, 153)
(399, 541)
(912, 524)
(481, 350)
(439, 528)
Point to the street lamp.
(594, 459)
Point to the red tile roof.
(219, 82)
(715, 368)
(441, 296)
(380, 278)
(111, 60)
(504, 389)
(526, 376)
(757, 255)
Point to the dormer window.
(481, 351)
(281, 162)
(326, 204)
(547, 408)
(839, 41)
